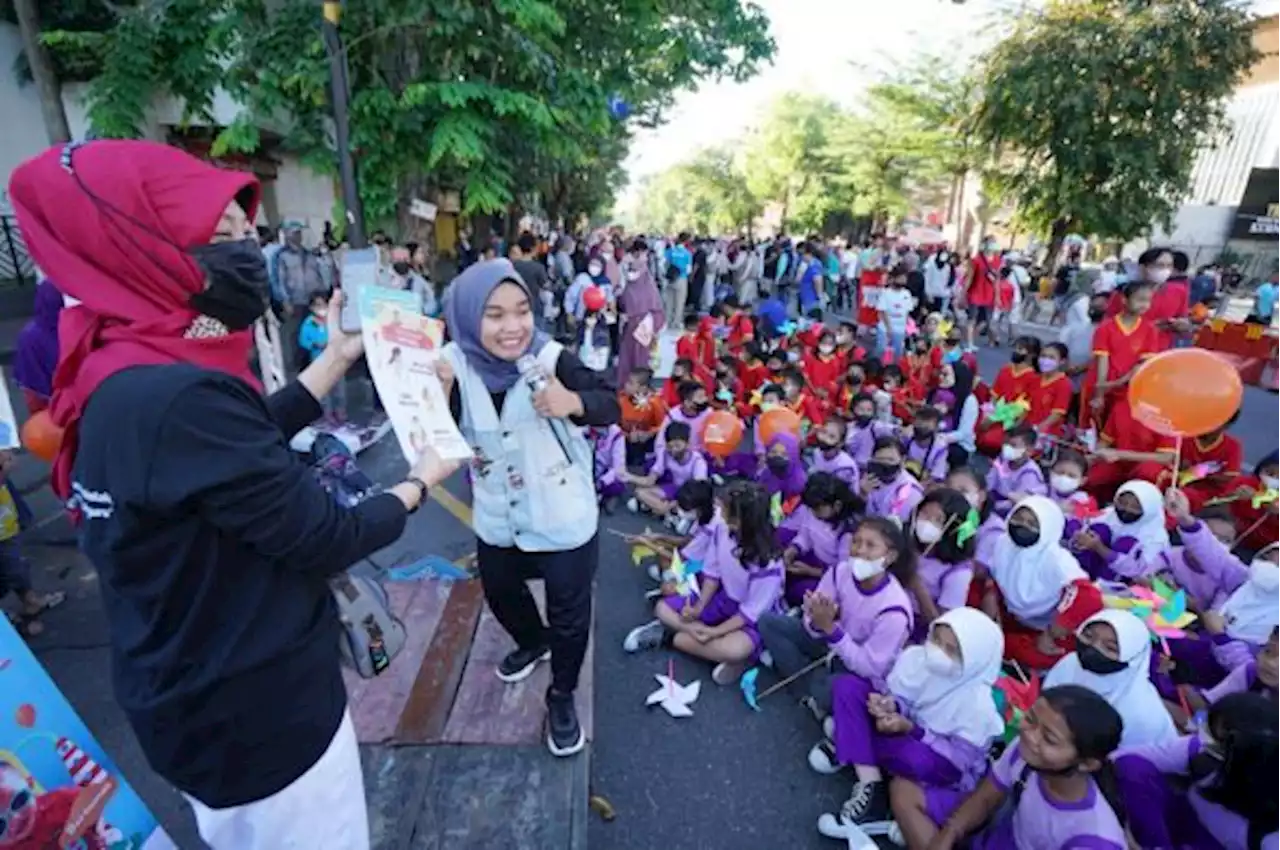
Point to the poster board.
(9, 435)
(58, 787)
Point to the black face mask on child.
(1095, 661)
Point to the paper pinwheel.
(757, 398)
(787, 328)
(725, 396)
(968, 528)
(1085, 510)
(1264, 497)
(674, 697)
(683, 575)
(944, 328)
(640, 552)
(1200, 470)
(1009, 413)
(900, 497)
(1162, 608)
(1014, 698)
(775, 510)
(747, 683)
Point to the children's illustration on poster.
(58, 789)
(401, 346)
(8, 423)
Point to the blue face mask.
(952, 356)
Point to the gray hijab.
(464, 311)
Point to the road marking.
(460, 510)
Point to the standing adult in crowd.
(980, 295)
(533, 486)
(939, 281)
(1170, 301)
(212, 541)
(640, 300)
(679, 264)
(297, 276)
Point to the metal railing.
(16, 267)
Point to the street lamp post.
(340, 92)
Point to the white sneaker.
(829, 728)
(633, 505)
(654, 571)
(648, 636)
(766, 659)
(822, 758)
(726, 674)
(832, 827)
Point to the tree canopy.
(507, 101)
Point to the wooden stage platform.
(455, 759)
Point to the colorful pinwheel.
(1009, 413)
(968, 528)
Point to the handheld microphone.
(531, 372)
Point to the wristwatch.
(423, 489)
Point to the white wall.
(303, 195)
(23, 135)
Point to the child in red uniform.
(917, 367)
(892, 383)
(752, 373)
(847, 345)
(681, 371)
(1219, 456)
(799, 401)
(643, 412)
(851, 387)
(952, 351)
(811, 335)
(1052, 394)
(822, 369)
(741, 328)
(1018, 380)
(707, 331)
(1262, 485)
(689, 345)
(727, 391)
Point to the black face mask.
(778, 465)
(1096, 316)
(882, 471)
(923, 435)
(400, 268)
(1128, 517)
(863, 419)
(1018, 357)
(1023, 536)
(828, 447)
(1093, 660)
(238, 287)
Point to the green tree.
(789, 161)
(707, 194)
(506, 100)
(1099, 108)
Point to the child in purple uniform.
(1129, 541)
(889, 489)
(944, 569)
(610, 464)
(933, 724)
(991, 529)
(1015, 475)
(1232, 767)
(864, 430)
(1207, 585)
(926, 453)
(860, 614)
(1258, 676)
(820, 532)
(693, 411)
(783, 470)
(831, 455)
(1053, 789)
(675, 464)
(740, 581)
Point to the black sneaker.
(867, 804)
(564, 733)
(517, 666)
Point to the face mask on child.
(827, 348)
(594, 270)
(1012, 454)
(778, 465)
(928, 532)
(864, 569)
(1064, 485)
(1095, 661)
(1271, 482)
(1264, 575)
(939, 663)
(1048, 364)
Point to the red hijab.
(113, 229)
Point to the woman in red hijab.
(213, 542)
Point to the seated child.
(847, 344)
(831, 456)
(889, 489)
(860, 612)
(1015, 475)
(682, 371)
(1257, 677)
(1052, 789)
(1129, 540)
(693, 411)
(926, 453)
(817, 542)
(1066, 477)
(1051, 395)
(1255, 504)
(853, 384)
(610, 464)
(973, 487)
(1113, 659)
(675, 464)
(643, 412)
(594, 341)
(1207, 584)
(783, 470)
(752, 372)
(822, 369)
(1216, 788)
(944, 568)
(864, 431)
(740, 581)
(891, 397)
(798, 399)
(932, 725)
(726, 391)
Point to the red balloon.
(1185, 392)
(779, 420)
(721, 433)
(593, 298)
(25, 716)
(41, 437)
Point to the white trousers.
(323, 809)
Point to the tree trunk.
(1061, 227)
(956, 214)
(46, 80)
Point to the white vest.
(525, 492)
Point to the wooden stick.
(1266, 515)
(1019, 672)
(950, 522)
(803, 671)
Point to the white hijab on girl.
(1130, 691)
(1149, 531)
(1254, 609)
(957, 704)
(1031, 578)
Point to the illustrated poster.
(401, 346)
(8, 423)
(58, 789)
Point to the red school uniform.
(870, 283)
(918, 371)
(1126, 346)
(937, 355)
(984, 273)
(852, 353)
(1246, 515)
(689, 347)
(752, 376)
(1005, 293)
(808, 409)
(1014, 381)
(1220, 459)
(823, 372)
(1052, 395)
(741, 331)
(1170, 301)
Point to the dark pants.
(15, 569)
(793, 648)
(568, 578)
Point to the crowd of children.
(924, 534)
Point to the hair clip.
(65, 158)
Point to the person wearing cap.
(523, 402)
(297, 275)
(402, 275)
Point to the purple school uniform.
(1039, 822)
(704, 538)
(873, 624)
(841, 465)
(737, 465)
(670, 473)
(898, 497)
(818, 544)
(948, 584)
(1126, 561)
(610, 463)
(791, 483)
(1003, 481)
(1208, 585)
(695, 423)
(988, 534)
(748, 593)
(1162, 815)
(1243, 678)
(936, 761)
(860, 442)
(931, 457)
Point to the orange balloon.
(1199, 313)
(721, 433)
(41, 437)
(1185, 392)
(780, 420)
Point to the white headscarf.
(1031, 579)
(1149, 531)
(960, 706)
(1252, 611)
(1130, 692)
